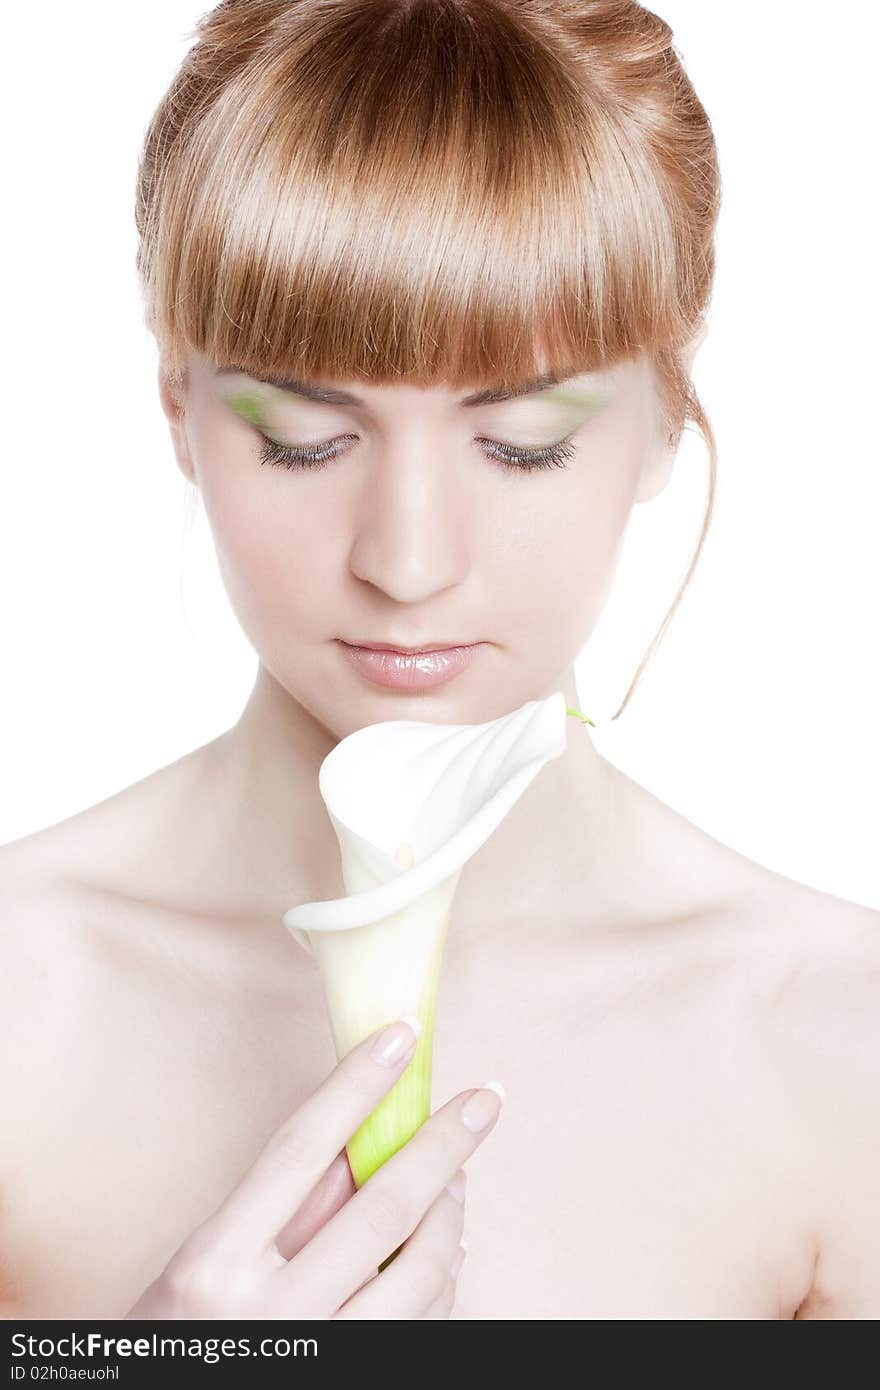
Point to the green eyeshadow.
(248, 404)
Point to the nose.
(411, 533)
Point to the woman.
(427, 282)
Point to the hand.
(295, 1240)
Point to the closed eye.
(513, 457)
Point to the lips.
(399, 669)
(406, 650)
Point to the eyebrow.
(328, 395)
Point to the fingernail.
(458, 1258)
(456, 1185)
(481, 1108)
(395, 1043)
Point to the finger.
(389, 1206)
(300, 1152)
(441, 1307)
(325, 1199)
(420, 1273)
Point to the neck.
(266, 807)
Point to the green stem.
(578, 714)
(407, 1105)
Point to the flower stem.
(579, 714)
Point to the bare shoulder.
(102, 844)
(44, 996)
(49, 882)
(819, 1030)
(825, 990)
(37, 905)
(812, 961)
(793, 975)
(804, 965)
(54, 972)
(70, 912)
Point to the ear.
(657, 469)
(174, 410)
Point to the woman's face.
(427, 527)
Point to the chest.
(622, 1183)
(628, 1177)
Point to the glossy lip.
(402, 647)
(409, 670)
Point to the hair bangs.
(425, 191)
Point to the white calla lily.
(411, 802)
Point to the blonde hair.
(460, 190)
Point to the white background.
(758, 717)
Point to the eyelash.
(317, 455)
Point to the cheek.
(268, 541)
(565, 546)
(274, 564)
